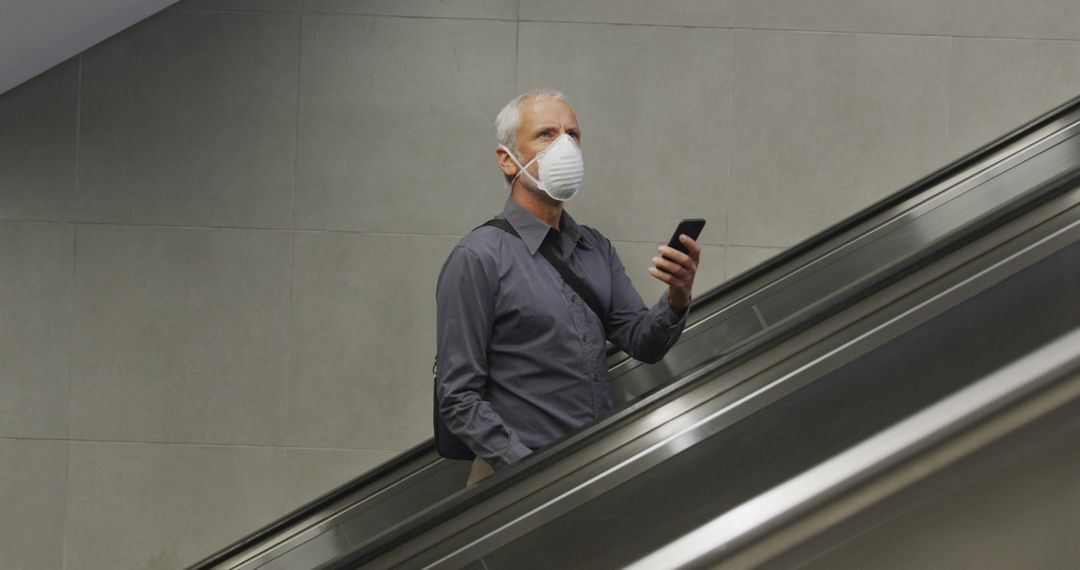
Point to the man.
(522, 357)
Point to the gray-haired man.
(522, 359)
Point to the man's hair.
(509, 119)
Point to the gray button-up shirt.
(522, 358)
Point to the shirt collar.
(533, 230)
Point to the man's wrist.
(679, 306)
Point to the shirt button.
(585, 337)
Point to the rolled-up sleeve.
(643, 333)
(465, 311)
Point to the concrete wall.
(220, 229)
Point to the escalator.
(988, 477)
(785, 367)
(717, 448)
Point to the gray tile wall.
(36, 293)
(181, 335)
(38, 145)
(362, 342)
(926, 17)
(189, 118)
(33, 495)
(220, 229)
(656, 136)
(395, 130)
(828, 123)
(138, 505)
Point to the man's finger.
(661, 275)
(671, 280)
(695, 249)
(674, 254)
(669, 266)
(690, 265)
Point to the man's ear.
(506, 163)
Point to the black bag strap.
(568, 275)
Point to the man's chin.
(543, 196)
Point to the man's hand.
(677, 269)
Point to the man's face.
(542, 121)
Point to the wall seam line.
(517, 56)
(224, 228)
(287, 376)
(67, 502)
(948, 95)
(72, 320)
(729, 191)
(78, 122)
(226, 10)
(330, 232)
(296, 117)
(638, 24)
(204, 444)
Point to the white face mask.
(561, 168)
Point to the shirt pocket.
(531, 307)
(524, 316)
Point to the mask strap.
(520, 167)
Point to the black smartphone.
(691, 227)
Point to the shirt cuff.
(516, 452)
(668, 318)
